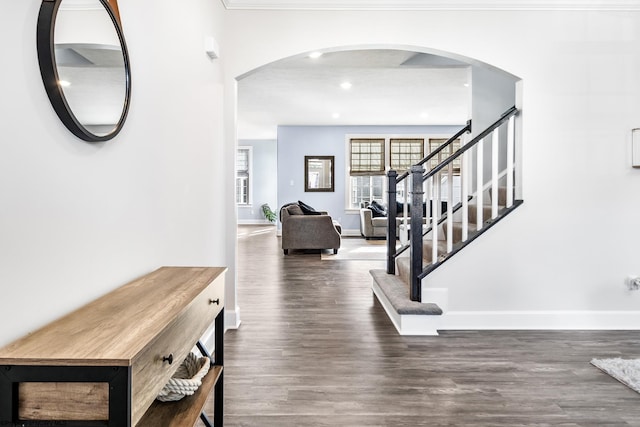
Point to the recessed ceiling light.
(315, 55)
(336, 115)
(64, 83)
(346, 85)
(424, 115)
(466, 85)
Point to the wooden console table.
(104, 364)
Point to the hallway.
(316, 349)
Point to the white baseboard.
(255, 222)
(541, 320)
(232, 319)
(351, 233)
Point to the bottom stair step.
(408, 317)
(397, 293)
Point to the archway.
(390, 86)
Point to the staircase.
(403, 264)
(488, 193)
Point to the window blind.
(367, 156)
(405, 152)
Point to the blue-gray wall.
(264, 180)
(295, 142)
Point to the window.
(366, 189)
(371, 157)
(405, 153)
(243, 175)
(434, 143)
(368, 165)
(366, 170)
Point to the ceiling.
(623, 5)
(388, 87)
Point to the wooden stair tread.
(184, 412)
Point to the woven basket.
(186, 380)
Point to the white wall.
(77, 219)
(568, 249)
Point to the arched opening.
(288, 111)
(396, 90)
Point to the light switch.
(211, 47)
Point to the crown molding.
(434, 5)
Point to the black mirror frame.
(307, 188)
(49, 72)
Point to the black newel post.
(392, 213)
(417, 196)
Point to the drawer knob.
(215, 301)
(168, 359)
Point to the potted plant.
(268, 213)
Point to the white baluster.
(435, 190)
(465, 176)
(428, 195)
(495, 140)
(510, 154)
(450, 208)
(405, 203)
(480, 182)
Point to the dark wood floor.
(316, 349)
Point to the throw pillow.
(400, 208)
(294, 209)
(307, 210)
(377, 210)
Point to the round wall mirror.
(85, 66)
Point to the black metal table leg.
(205, 420)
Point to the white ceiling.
(624, 5)
(389, 87)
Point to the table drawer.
(151, 370)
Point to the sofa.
(374, 226)
(308, 230)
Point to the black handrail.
(505, 116)
(465, 129)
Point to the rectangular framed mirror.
(318, 173)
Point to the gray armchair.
(300, 231)
(372, 227)
(376, 227)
